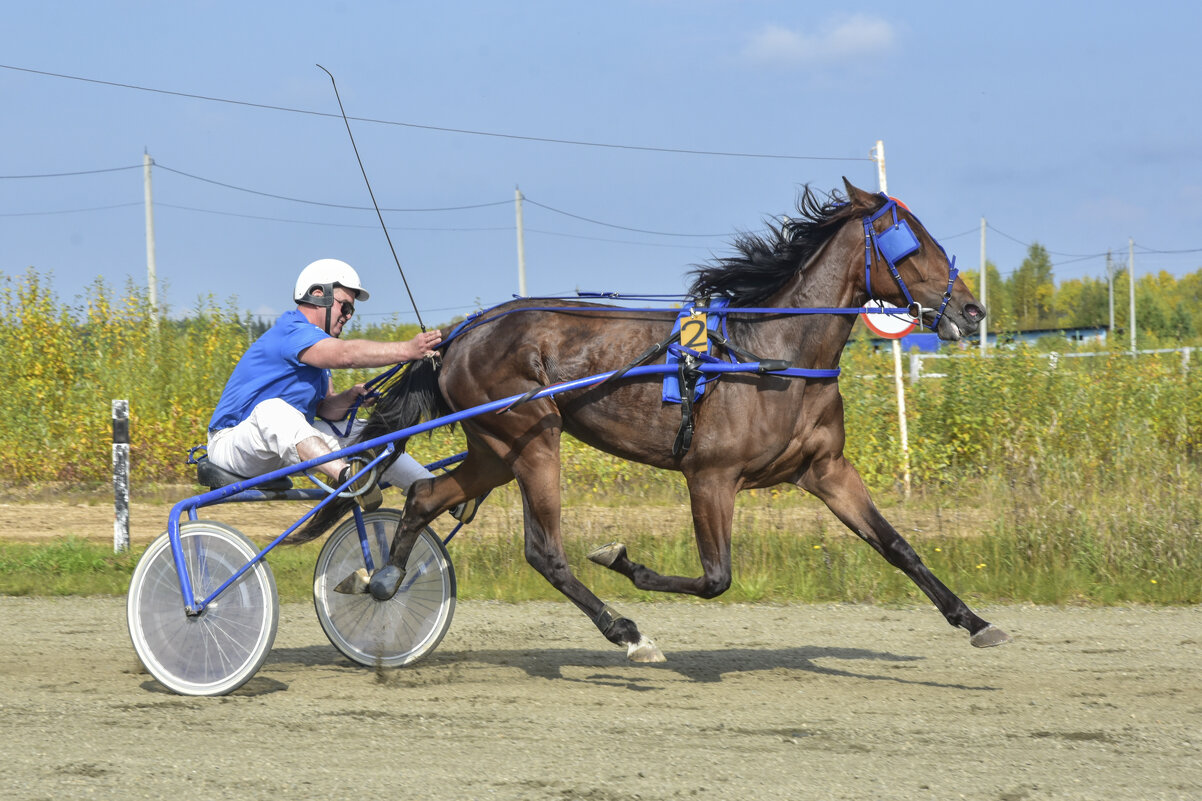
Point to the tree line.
(1168, 310)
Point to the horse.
(748, 430)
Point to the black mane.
(765, 262)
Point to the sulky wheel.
(218, 650)
(388, 633)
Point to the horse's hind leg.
(712, 498)
(839, 485)
(480, 472)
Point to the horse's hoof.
(385, 582)
(644, 650)
(354, 584)
(606, 555)
(988, 637)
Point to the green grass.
(769, 566)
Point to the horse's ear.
(858, 197)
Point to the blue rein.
(892, 245)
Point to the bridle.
(894, 244)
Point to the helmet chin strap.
(326, 299)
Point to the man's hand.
(423, 344)
(336, 405)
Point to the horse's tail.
(407, 402)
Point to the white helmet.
(327, 274)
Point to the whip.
(373, 197)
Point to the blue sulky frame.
(246, 490)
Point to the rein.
(892, 245)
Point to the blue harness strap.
(714, 317)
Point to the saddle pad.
(713, 319)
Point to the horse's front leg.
(839, 485)
(712, 499)
(537, 470)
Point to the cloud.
(843, 38)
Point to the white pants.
(267, 441)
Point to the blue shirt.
(271, 368)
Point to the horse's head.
(904, 265)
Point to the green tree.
(998, 308)
(1082, 302)
(1032, 289)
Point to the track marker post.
(120, 476)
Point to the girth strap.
(688, 375)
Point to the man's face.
(343, 308)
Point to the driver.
(272, 413)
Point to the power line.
(436, 209)
(527, 199)
(309, 202)
(1072, 257)
(328, 224)
(66, 211)
(1050, 252)
(71, 174)
(1143, 249)
(440, 129)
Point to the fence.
(917, 360)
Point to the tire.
(389, 633)
(217, 651)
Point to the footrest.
(211, 476)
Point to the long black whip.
(373, 196)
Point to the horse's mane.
(765, 262)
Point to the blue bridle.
(894, 244)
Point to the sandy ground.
(527, 701)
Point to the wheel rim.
(393, 632)
(218, 650)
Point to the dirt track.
(528, 702)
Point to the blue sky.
(1075, 125)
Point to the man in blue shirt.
(273, 409)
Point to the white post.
(151, 278)
(1110, 296)
(878, 153)
(120, 475)
(984, 290)
(517, 200)
(1131, 270)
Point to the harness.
(892, 245)
(687, 384)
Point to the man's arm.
(335, 405)
(341, 354)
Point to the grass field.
(1083, 472)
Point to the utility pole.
(878, 154)
(1131, 270)
(517, 201)
(984, 290)
(151, 279)
(1110, 292)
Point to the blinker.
(897, 242)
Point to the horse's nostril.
(974, 312)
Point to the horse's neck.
(826, 281)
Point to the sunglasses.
(348, 308)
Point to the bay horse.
(750, 431)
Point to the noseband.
(894, 244)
